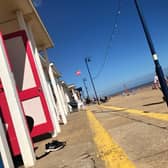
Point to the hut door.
(27, 81)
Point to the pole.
(158, 67)
(87, 66)
(84, 82)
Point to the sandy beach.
(145, 98)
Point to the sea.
(134, 84)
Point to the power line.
(114, 29)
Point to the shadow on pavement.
(43, 155)
(108, 111)
(150, 104)
(41, 137)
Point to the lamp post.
(84, 82)
(87, 66)
(158, 67)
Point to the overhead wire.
(114, 29)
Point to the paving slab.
(80, 150)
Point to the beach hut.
(53, 102)
(23, 88)
(62, 93)
(54, 75)
(67, 95)
(75, 95)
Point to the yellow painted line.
(108, 149)
(158, 116)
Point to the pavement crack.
(141, 121)
(148, 156)
(94, 162)
(85, 155)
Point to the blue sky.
(82, 28)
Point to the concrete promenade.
(79, 152)
(138, 124)
(126, 132)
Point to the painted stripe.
(108, 149)
(158, 116)
(155, 57)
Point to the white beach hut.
(23, 86)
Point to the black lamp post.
(87, 66)
(158, 67)
(84, 82)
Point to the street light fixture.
(87, 66)
(158, 67)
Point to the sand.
(145, 98)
